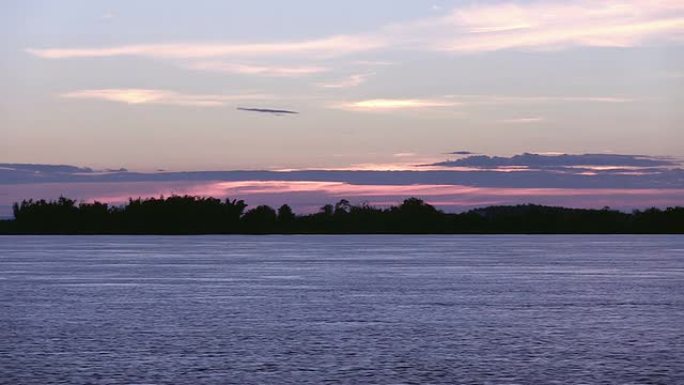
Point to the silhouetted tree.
(416, 216)
(286, 218)
(327, 210)
(260, 220)
(342, 207)
(199, 215)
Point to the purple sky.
(387, 85)
(461, 182)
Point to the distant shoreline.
(190, 215)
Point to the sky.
(341, 85)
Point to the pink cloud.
(334, 45)
(259, 70)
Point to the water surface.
(342, 309)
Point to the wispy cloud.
(348, 82)
(373, 63)
(466, 29)
(331, 46)
(387, 104)
(253, 69)
(108, 15)
(162, 97)
(551, 25)
(539, 99)
(527, 120)
(395, 104)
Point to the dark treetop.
(198, 215)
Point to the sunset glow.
(464, 103)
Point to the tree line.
(201, 215)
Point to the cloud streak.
(558, 25)
(395, 104)
(528, 120)
(539, 99)
(348, 82)
(471, 29)
(259, 70)
(160, 97)
(331, 46)
(390, 104)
